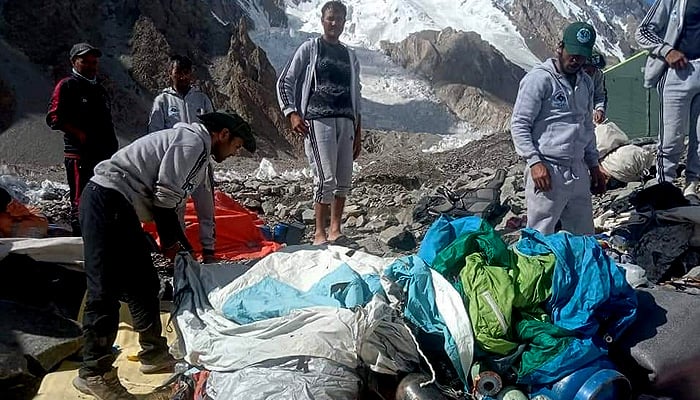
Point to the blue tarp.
(590, 295)
(443, 232)
(414, 276)
(271, 298)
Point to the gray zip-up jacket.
(298, 78)
(600, 96)
(658, 33)
(158, 170)
(552, 121)
(170, 107)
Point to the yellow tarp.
(57, 385)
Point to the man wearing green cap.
(145, 181)
(552, 129)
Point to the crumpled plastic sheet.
(299, 378)
(32, 192)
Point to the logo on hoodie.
(173, 111)
(559, 99)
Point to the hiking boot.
(691, 189)
(166, 363)
(103, 387)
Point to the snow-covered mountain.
(524, 31)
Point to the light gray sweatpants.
(568, 201)
(679, 96)
(328, 147)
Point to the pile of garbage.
(467, 316)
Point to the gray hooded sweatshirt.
(169, 108)
(552, 121)
(158, 170)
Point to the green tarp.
(632, 107)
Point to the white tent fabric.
(67, 251)
(374, 334)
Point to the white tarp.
(67, 251)
(373, 334)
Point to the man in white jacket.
(183, 102)
(319, 91)
(148, 180)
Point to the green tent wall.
(632, 107)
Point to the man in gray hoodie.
(183, 102)
(552, 129)
(319, 91)
(671, 33)
(147, 180)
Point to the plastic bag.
(609, 137)
(628, 163)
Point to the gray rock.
(354, 210)
(351, 222)
(374, 246)
(266, 190)
(364, 202)
(269, 207)
(405, 216)
(488, 171)
(46, 338)
(398, 238)
(251, 203)
(252, 184)
(281, 210)
(376, 224)
(360, 221)
(308, 216)
(293, 189)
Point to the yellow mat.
(57, 385)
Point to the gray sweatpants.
(568, 201)
(328, 147)
(679, 95)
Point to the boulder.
(398, 238)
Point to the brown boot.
(103, 387)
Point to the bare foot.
(334, 236)
(319, 239)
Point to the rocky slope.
(137, 38)
(473, 78)
(540, 23)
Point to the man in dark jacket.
(79, 108)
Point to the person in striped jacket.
(671, 33)
(319, 91)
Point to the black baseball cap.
(80, 49)
(238, 127)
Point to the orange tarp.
(20, 221)
(238, 235)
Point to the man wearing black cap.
(145, 181)
(552, 129)
(79, 108)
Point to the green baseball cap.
(579, 38)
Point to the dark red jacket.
(80, 104)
